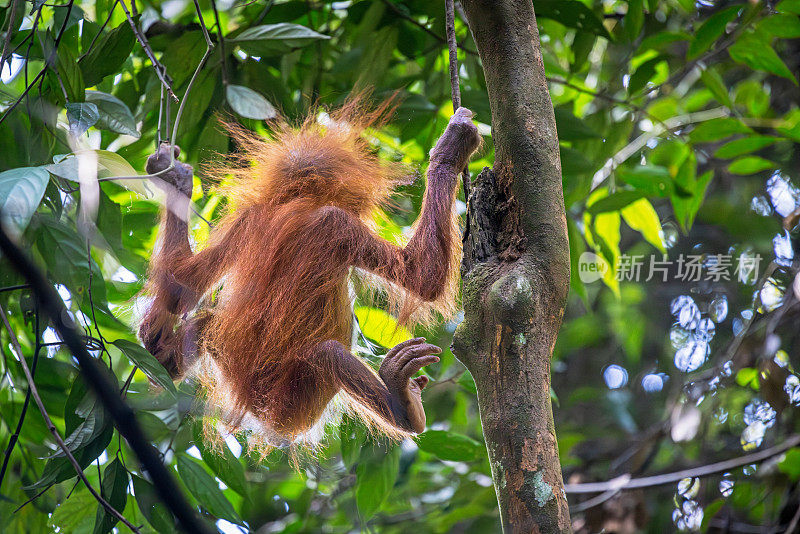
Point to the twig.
(13, 288)
(209, 48)
(594, 501)
(450, 28)
(127, 384)
(52, 427)
(48, 62)
(159, 68)
(122, 415)
(39, 494)
(61, 31)
(608, 98)
(100, 31)
(624, 482)
(23, 95)
(15, 436)
(455, 92)
(403, 15)
(264, 13)
(221, 44)
(9, 34)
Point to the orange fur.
(301, 209)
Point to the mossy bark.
(516, 271)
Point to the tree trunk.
(516, 271)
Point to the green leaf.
(634, 19)
(81, 117)
(468, 383)
(577, 246)
(748, 377)
(115, 491)
(249, 104)
(76, 514)
(750, 165)
(79, 437)
(69, 75)
(109, 165)
(602, 233)
(790, 465)
(711, 30)
(662, 40)
(614, 202)
(709, 512)
(156, 512)
(109, 53)
(652, 180)
(572, 14)
(381, 327)
(147, 363)
(783, 26)
(65, 255)
(570, 127)
(21, 191)
(574, 162)
(114, 115)
(202, 96)
(205, 490)
(745, 145)
(789, 6)
(276, 39)
(754, 96)
(641, 217)
(717, 129)
(352, 436)
(452, 446)
(60, 469)
(716, 85)
(686, 207)
(222, 461)
(643, 74)
(756, 53)
(376, 474)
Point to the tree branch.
(625, 482)
(159, 68)
(516, 271)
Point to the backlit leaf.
(276, 39)
(81, 117)
(206, 490)
(711, 30)
(451, 446)
(757, 54)
(381, 327)
(750, 165)
(376, 473)
(249, 104)
(745, 145)
(641, 217)
(21, 191)
(147, 363)
(114, 115)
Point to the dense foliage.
(680, 119)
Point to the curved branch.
(625, 482)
